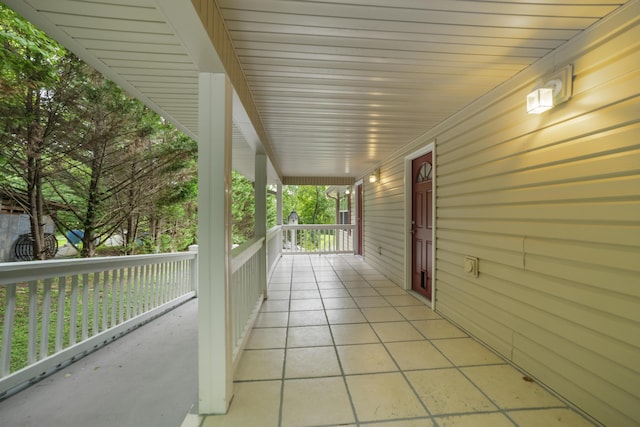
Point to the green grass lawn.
(112, 302)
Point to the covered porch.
(336, 343)
(545, 207)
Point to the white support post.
(215, 366)
(261, 215)
(279, 205)
(338, 231)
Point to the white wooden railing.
(248, 286)
(53, 312)
(274, 248)
(317, 239)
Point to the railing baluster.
(62, 299)
(170, 281)
(129, 294)
(105, 287)
(158, 284)
(162, 282)
(155, 269)
(85, 307)
(7, 329)
(121, 296)
(46, 316)
(136, 294)
(172, 271)
(155, 284)
(176, 279)
(73, 311)
(96, 304)
(113, 301)
(151, 288)
(166, 282)
(180, 277)
(149, 285)
(32, 346)
(144, 288)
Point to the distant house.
(15, 226)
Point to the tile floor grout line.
(335, 350)
(284, 356)
(457, 368)
(563, 404)
(401, 371)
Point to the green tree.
(242, 209)
(170, 212)
(72, 136)
(310, 202)
(104, 156)
(38, 87)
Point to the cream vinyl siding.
(550, 204)
(383, 241)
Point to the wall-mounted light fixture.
(374, 176)
(556, 90)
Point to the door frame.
(408, 200)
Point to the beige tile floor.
(337, 343)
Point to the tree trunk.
(131, 234)
(93, 199)
(88, 240)
(317, 206)
(34, 177)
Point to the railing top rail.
(13, 272)
(318, 226)
(244, 252)
(273, 232)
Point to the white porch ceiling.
(339, 85)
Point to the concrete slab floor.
(146, 378)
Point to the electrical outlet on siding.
(471, 266)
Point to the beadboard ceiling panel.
(339, 85)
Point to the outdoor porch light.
(375, 176)
(555, 91)
(540, 100)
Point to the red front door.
(422, 225)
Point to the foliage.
(310, 203)
(73, 137)
(38, 88)
(242, 208)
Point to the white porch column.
(215, 367)
(260, 187)
(279, 205)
